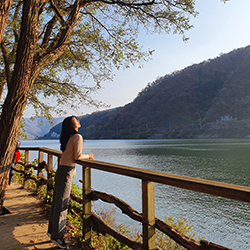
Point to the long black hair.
(67, 131)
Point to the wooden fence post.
(148, 215)
(40, 159)
(49, 177)
(58, 161)
(26, 169)
(86, 209)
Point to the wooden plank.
(49, 177)
(40, 159)
(43, 149)
(148, 178)
(26, 159)
(231, 191)
(51, 151)
(58, 161)
(40, 156)
(26, 169)
(86, 191)
(208, 245)
(148, 215)
(178, 237)
(101, 227)
(50, 162)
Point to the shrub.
(180, 224)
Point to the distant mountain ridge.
(38, 127)
(184, 104)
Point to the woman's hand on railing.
(91, 156)
(86, 157)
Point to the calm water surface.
(222, 221)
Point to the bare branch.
(121, 3)
(41, 9)
(57, 12)
(48, 31)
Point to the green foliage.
(99, 241)
(180, 224)
(22, 133)
(104, 38)
(18, 177)
(107, 242)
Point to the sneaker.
(60, 243)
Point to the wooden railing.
(147, 217)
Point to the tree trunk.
(16, 99)
(4, 12)
(26, 70)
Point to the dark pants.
(11, 173)
(60, 203)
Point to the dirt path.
(25, 227)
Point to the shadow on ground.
(25, 227)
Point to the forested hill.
(184, 104)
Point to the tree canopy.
(45, 43)
(94, 36)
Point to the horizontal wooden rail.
(100, 226)
(135, 215)
(226, 190)
(42, 149)
(230, 191)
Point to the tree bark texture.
(28, 65)
(4, 12)
(19, 89)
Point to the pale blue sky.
(219, 28)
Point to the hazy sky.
(219, 28)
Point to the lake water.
(222, 221)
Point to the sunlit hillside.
(184, 104)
